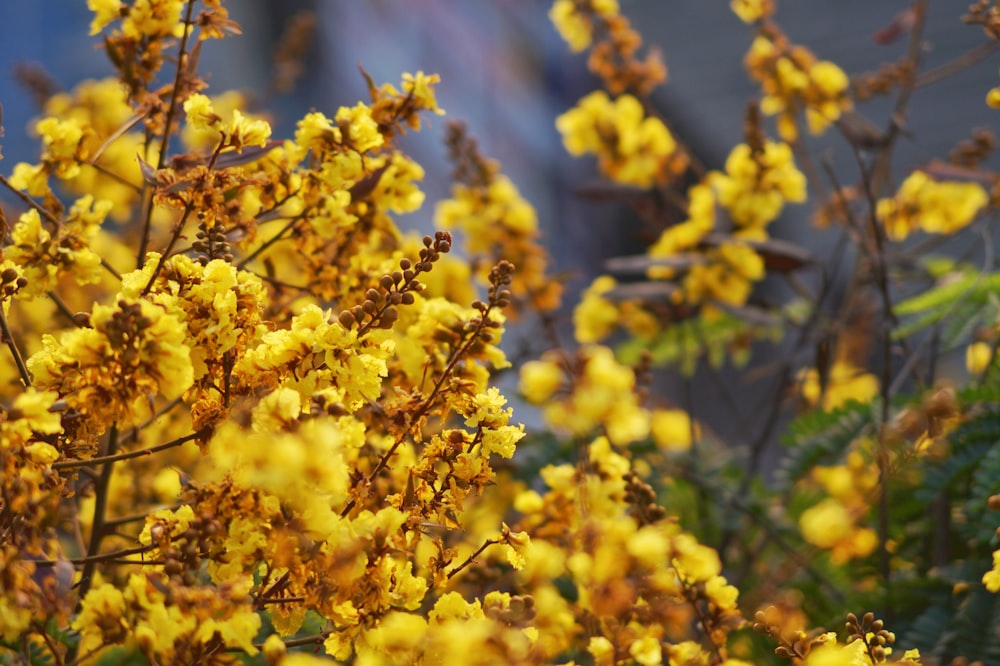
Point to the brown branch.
(28, 201)
(165, 140)
(97, 525)
(70, 464)
(967, 59)
(472, 558)
(22, 369)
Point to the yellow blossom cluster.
(498, 224)
(843, 382)
(756, 185)
(795, 82)
(751, 11)
(632, 147)
(834, 523)
(75, 133)
(935, 207)
(28, 432)
(613, 43)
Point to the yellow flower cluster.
(575, 23)
(936, 207)
(46, 252)
(111, 370)
(174, 624)
(632, 147)
(638, 582)
(602, 395)
(756, 185)
(498, 224)
(843, 382)
(27, 433)
(598, 25)
(833, 523)
(795, 82)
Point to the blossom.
(751, 11)
(672, 429)
(845, 382)
(977, 357)
(991, 579)
(576, 26)
(539, 380)
(632, 147)
(937, 207)
(595, 317)
(105, 11)
(755, 187)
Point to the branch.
(70, 464)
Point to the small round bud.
(347, 320)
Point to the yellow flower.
(993, 98)
(539, 380)
(826, 523)
(751, 11)
(595, 317)
(362, 132)
(200, 114)
(845, 382)
(105, 11)
(721, 593)
(61, 145)
(977, 357)
(754, 188)
(631, 147)
(421, 87)
(646, 651)
(936, 207)
(31, 178)
(672, 429)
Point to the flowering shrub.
(247, 418)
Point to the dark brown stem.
(97, 526)
(178, 230)
(269, 242)
(29, 202)
(165, 140)
(967, 59)
(472, 558)
(70, 464)
(22, 369)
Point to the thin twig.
(22, 369)
(472, 558)
(100, 508)
(70, 464)
(167, 131)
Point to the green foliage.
(962, 299)
(816, 438)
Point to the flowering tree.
(248, 418)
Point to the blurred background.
(507, 74)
